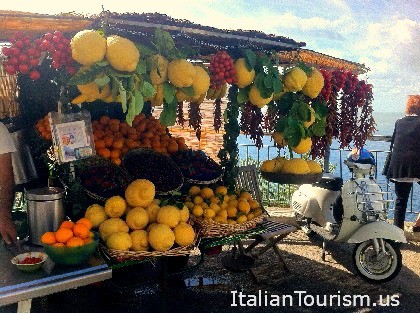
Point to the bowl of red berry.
(29, 262)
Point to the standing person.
(7, 227)
(404, 168)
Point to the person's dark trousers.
(402, 191)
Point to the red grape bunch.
(222, 69)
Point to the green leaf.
(131, 113)
(303, 111)
(251, 59)
(277, 86)
(85, 75)
(320, 108)
(163, 41)
(281, 124)
(168, 92)
(139, 101)
(101, 63)
(268, 81)
(123, 95)
(189, 91)
(243, 95)
(130, 83)
(168, 115)
(318, 127)
(141, 67)
(147, 90)
(102, 81)
(145, 51)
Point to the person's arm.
(7, 227)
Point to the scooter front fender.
(378, 229)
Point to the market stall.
(133, 187)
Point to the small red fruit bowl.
(29, 262)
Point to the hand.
(7, 230)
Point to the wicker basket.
(122, 256)
(212, 229)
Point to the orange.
(108, 132)
(182, 147)
(63, 235)
(48, 136)
(99, 144)
(172, 147)
(114, 121)
(124, 150)
(180, 140)
(104, 153)
(114, 127)
(134, 145)
(48, 238)
(116, 161)
(75, 242)
(155, 144)
(104, 120)
(133, 136)
(99, 134)
(67, 224)
(141, 127)
(108, 141)
(85, 221)
(81, 230)
(87, 240)
(41, 128)
(149, 134)
(115, 153)
(118, 144)
(59, 244)
(118, 135)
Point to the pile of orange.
(43, 127)
(113, 138)
(70, 234)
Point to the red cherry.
(27, 42)
(33, 62)
(57, 33)
(23, 58)
(55, 39)
(6, 51)
(55, 64)
(71, 70)
(48, 36)
(31, 51)
(11, 70)
(19, 44)
(23, 68)
(15, 51)
(60, 46)
(14, 61)
(34, 75)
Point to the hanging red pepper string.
(255, 127)
(270, 118)
(180, 114)
(194, 116)
(246, 116)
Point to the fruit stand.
(138, 191)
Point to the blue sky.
(384, 35)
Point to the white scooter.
(353, 212)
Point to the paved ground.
(210, 288)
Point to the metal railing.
(274, 194)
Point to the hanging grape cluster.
(217, 121)
(194, 117)
(222, 70)
(180, 114)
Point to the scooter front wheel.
(376, 267)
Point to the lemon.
(184, 234)
(112, 225)
(304, 146)
(314, 166)
(96, 214)
(161, 237)
(250, 216)
(254, 204)
(206, 193)
(220, 219)
(232, 211)
(243, 206)
(198, 200)
(197, 211)
(169, 215)
(88, 47)
(296, 166)
(189, 205)
(140, 241)
(314, 84)
(268, 166)
(181, 73)
(279, 139)
(241, 219)
(256, 98)
(140, 192)
(122, 54)
(258, 212)
(214, 199)
(201, 82)
(209, 213)
(115, 206)
(243, 75)
(295, 79)
(312, 120)
(119, 241)
(152, 212)
(223, 214)
(137, 218)
(221, 191)
(185, 214)
(150, 227)
(231, 222)
(194, 190)
(159, 69)
(246, 195)
(215, 207)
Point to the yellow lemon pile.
(138, 223)
(291, 166)
(219, 206)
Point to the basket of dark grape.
(197, 167)
(160, 169)
(102, 179)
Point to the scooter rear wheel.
(374, 269)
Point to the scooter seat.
(330, 182)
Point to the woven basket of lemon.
(135, 227)
(220, 214)
(291, 171)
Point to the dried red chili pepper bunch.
(222, 69)
(194, 117)
(217, 122)
(246, 116)
(180, 114)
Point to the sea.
(385, 122)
